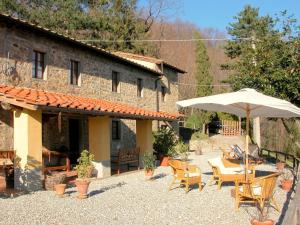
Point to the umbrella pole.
(247, 139)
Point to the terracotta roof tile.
(53, 99)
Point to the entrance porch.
(68, 124)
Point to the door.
(74, 140)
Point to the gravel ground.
(130, 199)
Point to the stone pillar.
(256, 131)
(144, 137)
(28, 147)
(99, 144)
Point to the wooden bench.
(6, 169)
(47, 154)
(127, 157)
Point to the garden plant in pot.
(262, 215)
(287, 180)
(164, 141)
(149, 164)
(262, 218)
(60, 187)
(84, 173)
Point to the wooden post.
(247, 139)
(68, 164)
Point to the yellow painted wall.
(28, 137)
(144, 135)
(28, 147)
(99, 137)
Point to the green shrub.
(84, 165)
(199, 136)
(182, 150)
(149, 161)
(164, 141)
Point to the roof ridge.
(71, 39)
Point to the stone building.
(61, 94)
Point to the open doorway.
(74, 139)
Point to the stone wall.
(95, 70)
(6, 130)
(55, 139)
(128, 137)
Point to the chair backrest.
(238, 151)
(268, 184)
(129, 154)
(175, 165)
(9, 154)
(254, 150)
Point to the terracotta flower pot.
(164, 161)
(266, 222)
(60, 189)
(286, 185)
(82, 188)
(149, 173)
(280, 166)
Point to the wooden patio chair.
(223, 174)
(259, 190)
(186, 174)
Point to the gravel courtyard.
(130, 199)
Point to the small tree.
(164, 141)
(182, 150)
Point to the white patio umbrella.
(244, 103)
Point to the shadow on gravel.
(208, 173)
(261, 173)
(158, 176)
(11, 193)
(109, 187)
(70, 192)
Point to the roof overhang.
(34, 99)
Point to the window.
(115, 82)
(116, 130)
(74, 73)
(38, 65)
(140, 87)
(163, 93)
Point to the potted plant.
(83, 172)
(263, 213)
(280, 165)
(287, 180)
(149, 164)
(164, 141)
(54, 178)
(60, 189)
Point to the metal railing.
(291, 211)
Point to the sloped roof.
(40, 99)
(138, 58)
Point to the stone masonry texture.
(95, 71)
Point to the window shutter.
(79, 74)
(69, 72)
(46, 67)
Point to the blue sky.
(218, 13)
